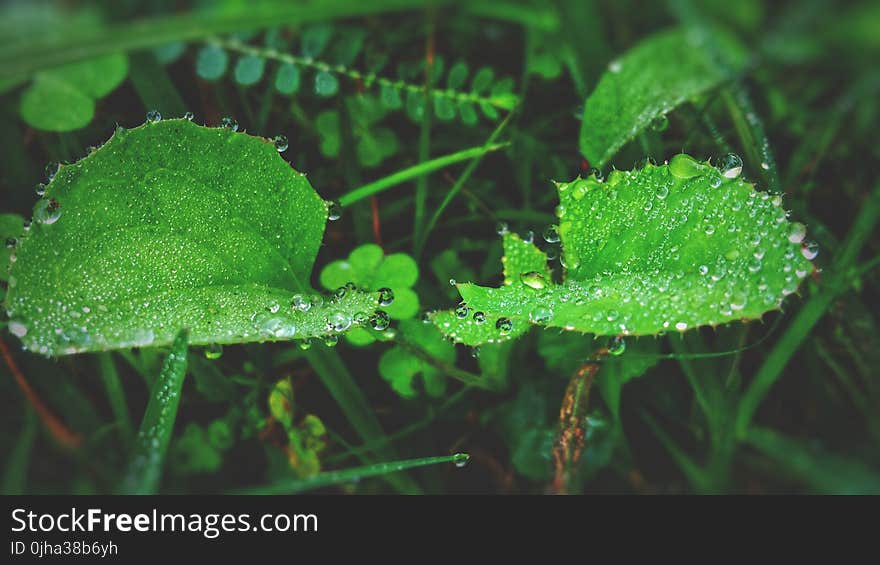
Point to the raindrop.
(533, 279)
(334, 211)
(331, 340)
(616, 345)
(731, 166)
(340, 321)
(501, 228)
(361, 318)
(380, 320)
(504, 325)
(189, 116)
(40, 189)
(301, 303)
(797, 232)
(340, 292)
(274, 307)
(551, 234)
(229, 122)
(704, 270)
(661, 192)
(460, 459)
(213, 351)
(479, 317)
(154, 116)
(462, 311)
(52, 170)
(11, 242)
(540, 315)
(386, 296)
(17, 328)
(661, 123)
(452, 282)
(281, 143)
(809, 250)
(47, 211)
(305, 344)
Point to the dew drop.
(540, 315)
(551, 234)
(731, 166)
(461, 459)
(479, 317)
(52, 170)
(154, 116)
(809, 250)
(334, 211)
(616, 345)
(213, 351)
(11, 242)
(681, 326)
(40, 189)
(661, 192)
(331, 340)
(228, 122)
(380, 320)
(504, 325)
(189, 116)
(340, 321)
(797, 232)
(17, 328)
(301, 303)
(386, 296)
(305, 344)
(47, 211)
(533, 279)
(501, 228)
(281, 143)
(452, 282)
(462, 311)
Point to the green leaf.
(400, 364)
(173, 225)
(287, 79)
(63, 98)
(457, 76)
(148, 459)
(249, 70)
(663, 248)
(326, 84)
(211, 62)
(482, 80)
(648, 81)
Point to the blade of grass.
(116, 397)
(824, 472)
(148, 458)
(836, 282)
(490, 145)
(153, 86)
(693, 472)
(416, 171)
(425, 132)
(345, 391)
(750, 130)
(348, 475)
(16, 471)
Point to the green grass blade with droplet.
(148, 457)
(348, 475)
(351, 400)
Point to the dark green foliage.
(429, 141)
